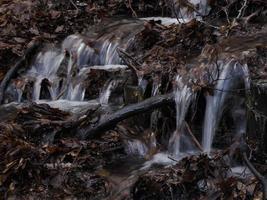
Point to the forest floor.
(69, 167)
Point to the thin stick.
(28, 55)
(74, 5)
(242, 9)
(130, 6)
(112, 120)
(260, 177)
(193, 137)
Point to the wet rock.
(257, 114)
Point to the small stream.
(59, 77)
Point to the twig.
(210, 25)
(130, 6)
(130, 62)
(174, 11)
(242, 9)
(110, 121)
(75, 6)
(128, 56)
(24, 61)
(248, 18)
(260, 177)
(224, 9)
(193, 137)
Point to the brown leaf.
(5, 45)
(48, 36)
(59, 29)
(55, 14)
(34, 31)
(19, 39)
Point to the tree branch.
(28, 55)
(124, 113)
(254, 171)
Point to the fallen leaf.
(34, 31)
(4, 45)
(55, 14)
(19, 40)
(59, 29)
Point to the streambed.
(142, 109)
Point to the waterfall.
(105, 94)
(76, 45)
(58, 72)
(228, 77)
(45, 67)
(49, 66)
(183, 99)
(194, 9)
(65, 71)
(136, 147)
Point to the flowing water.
(105, 94)
(63, 71)
(227, 77)
(183, 98)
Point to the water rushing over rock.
(228, 76)
(183, 98)
(45, 67)
(194, 9)
(136, 147)
(105, 94)
(59, 75)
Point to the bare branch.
(110, 121)
(242, 10)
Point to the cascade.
(45, 67)
(105, 94)
(183, 98)
(65, 70)
(227, 80)
(136, 147)
(198, 10)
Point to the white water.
(75, 107)
(109, 67)
(184, 14)
(67, 90)
(65, 81)
(230, 72)
(45, 67)
(105, 94)
(167, 21)
(187, 13)
(136, 147)
(75, 45)
(65, 69)
(183, 99)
